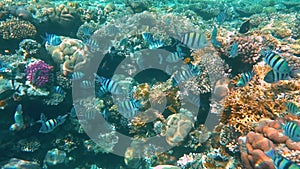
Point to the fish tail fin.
(271, 153)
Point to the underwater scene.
(150, 84)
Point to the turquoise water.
(149, 84)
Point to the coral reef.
(268, 134)
(261, 96)
(29, 48)
(178, 127)
(69, 55)
(38, 73)
(16, 29)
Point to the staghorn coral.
(16, 29)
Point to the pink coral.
(38, 73)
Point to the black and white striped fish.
(244, 79)
(277, 62)
(273, 76)
(109, 85)
(58, 90)
(292, 130)
(86, 84)
(292, 108)
(185, 73)
(51, 124)
(129, 107)
(194, 40)
(76, 75)
(279, 161)
(176, 56)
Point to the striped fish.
(58, 90)
(101, 91)
(280, 162)
(273, 76)
(292, 130)
(109, 85)
(244, 79)
(183, 75)
(194, 40)
(156, 44)
(148, 37)
(293, 108)
(76, 75)
(278, 63)
(52, 39)
(176, 56)
(86, 84)
(129, 107)
(50, 125)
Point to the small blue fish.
(156, 44)
(129, 107)
(86, 84)
(76, 75)
(277, 62)
(292, 130)
(234, 51)
(194, 40)
(273, 76)
(221, 17)
(244, 79)
(87, 31)
(292, 108)
(51, 124)
(58, 90)
(214, 41)
(91, 44)
(101, 91)
(280, 162)
(148, 37)
(110, 85)
(52, 39)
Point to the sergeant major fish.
(277, 63)
(129, 107)
(292, 108)
(292, 130)
(273, 76)
(109, 85)
(51, 124)
(279, 161)
(244, 79)
(194, 40)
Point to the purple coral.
(38, 73)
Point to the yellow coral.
(17, 29)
